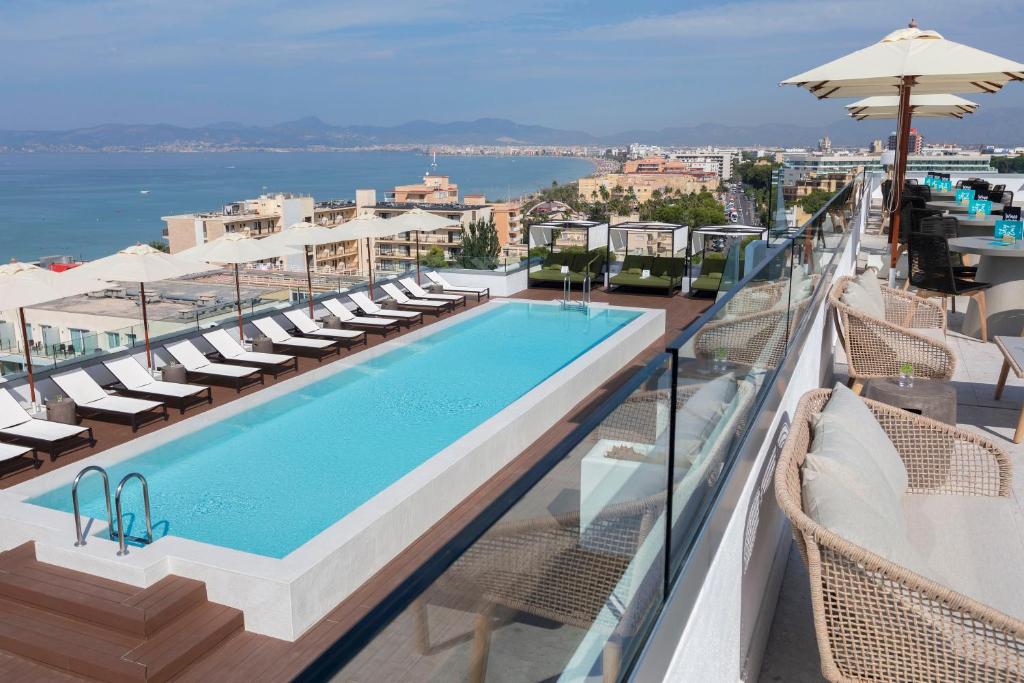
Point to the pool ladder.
(567, 301)
(122, 537)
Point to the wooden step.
(185, 640)
(100, 629)
(138, 611)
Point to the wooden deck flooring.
(249, 657)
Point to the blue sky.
(599, 66)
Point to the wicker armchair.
(874, 619)
(876, 347)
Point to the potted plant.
(61, 409)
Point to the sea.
(88, 205)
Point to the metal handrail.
(122, 537)
(79, 535)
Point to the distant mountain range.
(996, 126)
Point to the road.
(742, 204)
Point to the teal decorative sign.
(964, 194)
(1014, 228)
(982, 206)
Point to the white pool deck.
(284, 597)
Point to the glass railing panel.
(568, 580)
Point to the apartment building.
(435, 189)
(644, 184)
(800, 164)
(717, 161)
(264, 216)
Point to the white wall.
(499, 283)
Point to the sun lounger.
(17, 425)
(307, 326)
(135, 379)
(91, 399)
(370, 307)
(414, 288)
(10, 453)
(198, 365)
(316, 348)
(232, 352)
(439, 280)
(367, 323)
(404, 302)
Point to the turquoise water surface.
(269, 479)
(89, 205)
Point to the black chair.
(948, 227)
(922, 191)
(931, 271)
(1004, 197)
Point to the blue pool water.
(272, 477)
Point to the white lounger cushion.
(971, 544)
(193, 360)
(306, 325)
(438, 280)
(16, 421)
(399, 296)
(83, 389)
(10, 451)
(230, 348)
(278, 335)
(371, 308)
(338, 309)
(133, 376)
(421, 293)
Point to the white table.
(957, 207)
(1003, 268)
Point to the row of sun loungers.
(141, 398)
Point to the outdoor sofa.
(712, 268)
(664, 273)
(580, 266)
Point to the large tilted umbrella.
(927, 106)
(909, 61)
(142, 263)
(417, 220)
(23, 285)
(367, 226)
(306, 235)
(235, 248)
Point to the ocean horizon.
(91, 204)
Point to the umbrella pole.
(145, 324)
(309, 283)
(900, 171)
(369, 266)
(28, 357)
(238, 301)
(417, 257)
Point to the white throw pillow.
(858, 297)
(869, 281)
(846, 411)
(700, 413)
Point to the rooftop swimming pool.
(272, 477)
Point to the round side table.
(331, 322)
(174, 372)
(928, 397)
(262, 345)
(62, 411)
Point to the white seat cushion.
(864, 294)
(225, 370)
(972, 544)
(259, 357)
(172, 389)
(307, 343)
(10, 451)
(123, 404)
(43, 430)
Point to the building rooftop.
(406, 206)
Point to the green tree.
(434, 258)
(160, 245)
(1009, 164)
(480, 245)
(812, 202)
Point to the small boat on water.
(143, 191)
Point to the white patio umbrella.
(306, 235)
(417, 220)
(928, 106)
(368, 226)
(23, 285)
(142, 263)
(908, 61)
(235, 248)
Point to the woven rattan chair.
(876, 347)
(876, 620)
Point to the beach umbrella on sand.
(306, 235)
(417, 220)
(926, 106)
(367, 226)
(905, 62)
(235, 248)
(142, 263)
(23, 285)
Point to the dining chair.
(931, 272)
